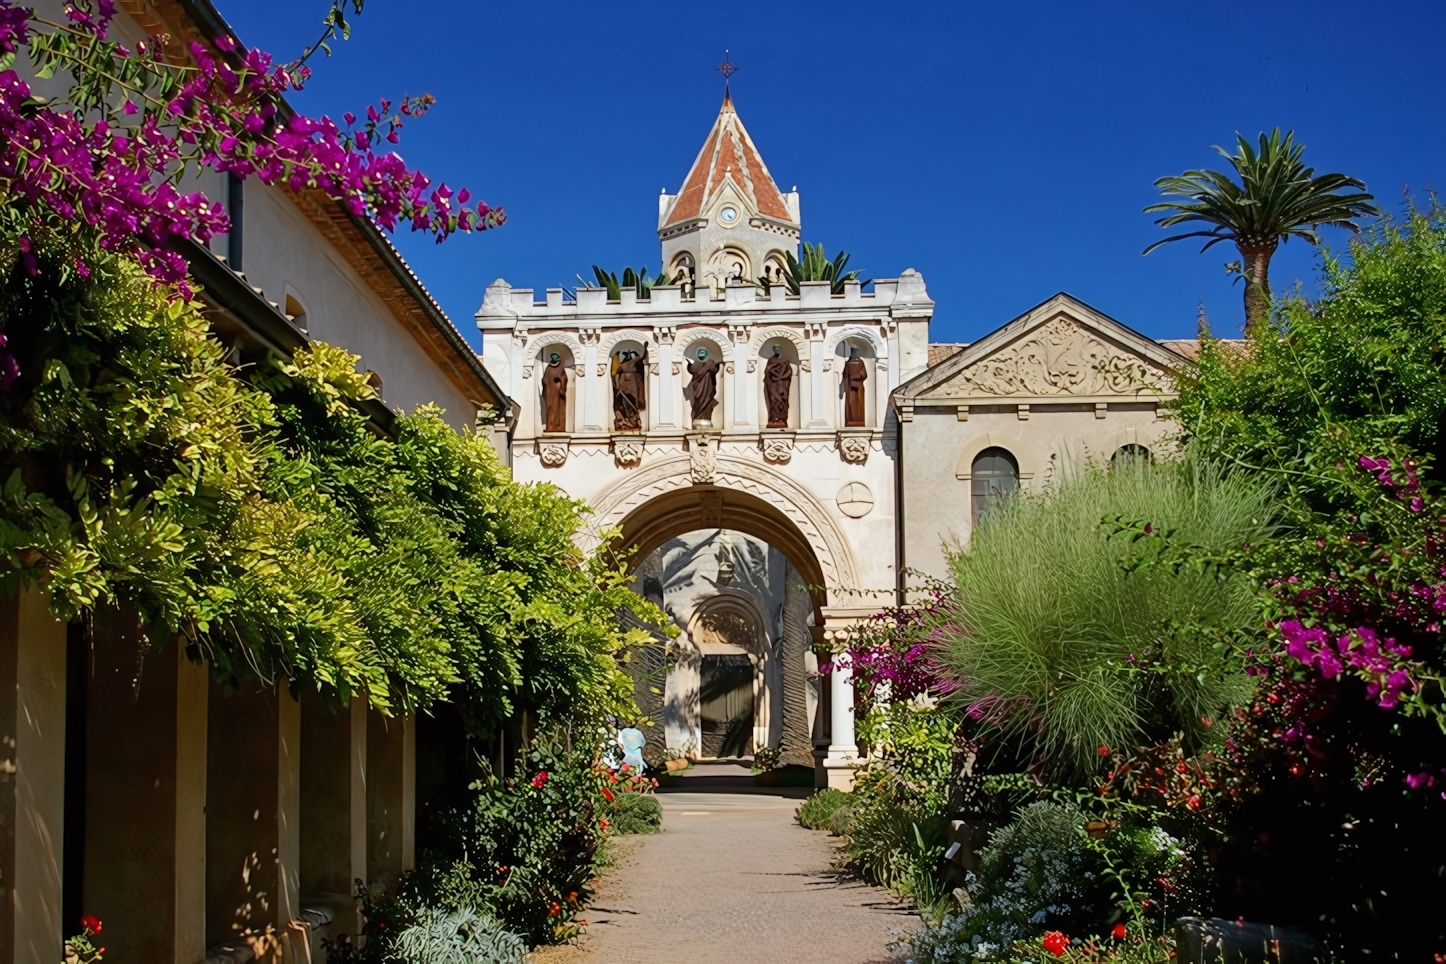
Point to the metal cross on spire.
(727, 68)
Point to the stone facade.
(1059, 384)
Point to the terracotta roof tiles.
(728, 155)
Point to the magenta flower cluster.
(1407, 487)
(1382, 663)
(113, 160)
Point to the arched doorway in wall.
(745, 597)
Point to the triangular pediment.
(1062, 349)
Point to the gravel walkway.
(732, 879)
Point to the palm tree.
(637, 280)
(815, 266)
(1277, 197)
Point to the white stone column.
(843, 752)
(665, 379)
(818, 400)
(592, 420)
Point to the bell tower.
(729, 223)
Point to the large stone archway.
(664, 500)
(650, 508)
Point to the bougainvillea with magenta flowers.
(117, 149)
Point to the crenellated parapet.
(742, 327)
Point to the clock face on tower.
(728, 214)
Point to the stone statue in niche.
(777, 384)
(854, 376)
(703, 389)
(554, 395)
(630, 390)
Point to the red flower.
(540, 779)
(603, 824)
(1193, 802)
(608, 795)
(91, 923)
(1055, 942)
(1103, 751)
(1118, 933)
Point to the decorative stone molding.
(1059, 358)
(777, 446)
(590, 336)
(702, 458)
(762, 337)
(854, 446)
(666, 334)
(773, 485)
(713, 336)
(628, 449)
(552, 449)
(870, 335)
(855, 500)
(609, 342)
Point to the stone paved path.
(732, 879)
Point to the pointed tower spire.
(729, 223)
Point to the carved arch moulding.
(718, 339)
(610, 341)
(760, 341)
(879, 344)
(813, 520)
(540, 342)
(762, 337)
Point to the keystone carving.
(628, 449)
(854, 448)
(703, 459)
(553, 452)
(778, 448)
(1060, 358)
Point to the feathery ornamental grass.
(1065, 638)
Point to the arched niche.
(788, 350)
(843, 350)
(539, 363)
(685, 352)
(617, 350)
(775, 267)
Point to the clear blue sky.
(1004, 150)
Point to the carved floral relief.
(1058, 358)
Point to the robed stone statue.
(777, 383)
(854, 376)
(554, 395)
(703, 389)
(630, 390)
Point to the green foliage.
(260, 517)
(815, 266)
(1043, 871)
(637, 280)
(816, 812)
(1277, 198)
(458, 937)
(632, 813)
(1087, 651)
(1340, 767)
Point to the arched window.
(994, 475)
(683, 271)
(1130, 454)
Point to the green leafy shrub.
(458, 937)
(816, 812)
(632, 813)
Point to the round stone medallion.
(855, 500)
